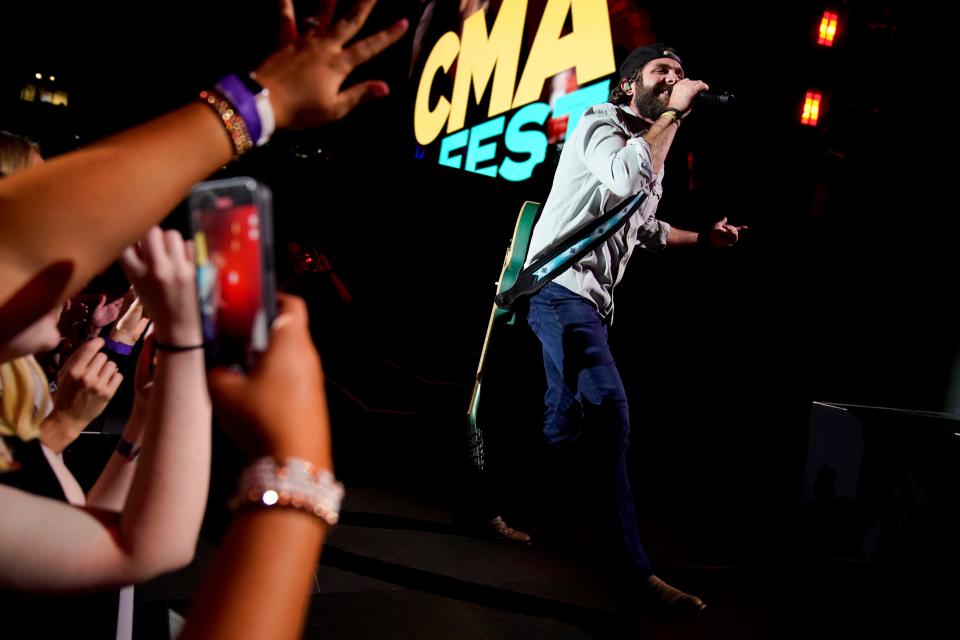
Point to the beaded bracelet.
(233, 122)
(292, 483)
(252, 101)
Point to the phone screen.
(234, 271)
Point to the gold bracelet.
(232, 121)
(674, 114)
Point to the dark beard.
(648, 104)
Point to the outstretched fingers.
(288, 23)
(362, 50)
(350, 24)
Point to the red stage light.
(828, 29)
(811, 108)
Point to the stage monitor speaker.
(882, 484)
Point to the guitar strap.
(567, 251)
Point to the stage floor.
(396, 567)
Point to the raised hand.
(306, 75)
(132, 322)
(684, 91)
(104, 313)
(85, 384)
(162, 271)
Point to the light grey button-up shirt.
(604, 162)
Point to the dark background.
(840, 290)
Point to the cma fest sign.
(518, 136)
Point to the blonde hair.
(24, 398)
(15, 152)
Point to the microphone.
(706, 97)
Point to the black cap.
(640, 56)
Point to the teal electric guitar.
(499, 316)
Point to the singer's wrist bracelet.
(675, 114)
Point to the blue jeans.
(584, 389)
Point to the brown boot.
(671, 600)
(499, 531)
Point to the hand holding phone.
(279, 408)
(232, 232)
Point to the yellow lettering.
(428, 124)
(482, 57)
(588, 47)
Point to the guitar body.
(516, 256)
(512, 266)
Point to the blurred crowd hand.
(104, 313)
(306, 74)
(86, 383)
(280, 408)
(132, 322)
(162, 271)
(85, 315)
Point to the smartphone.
(232, 224)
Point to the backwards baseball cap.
(639, 57)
